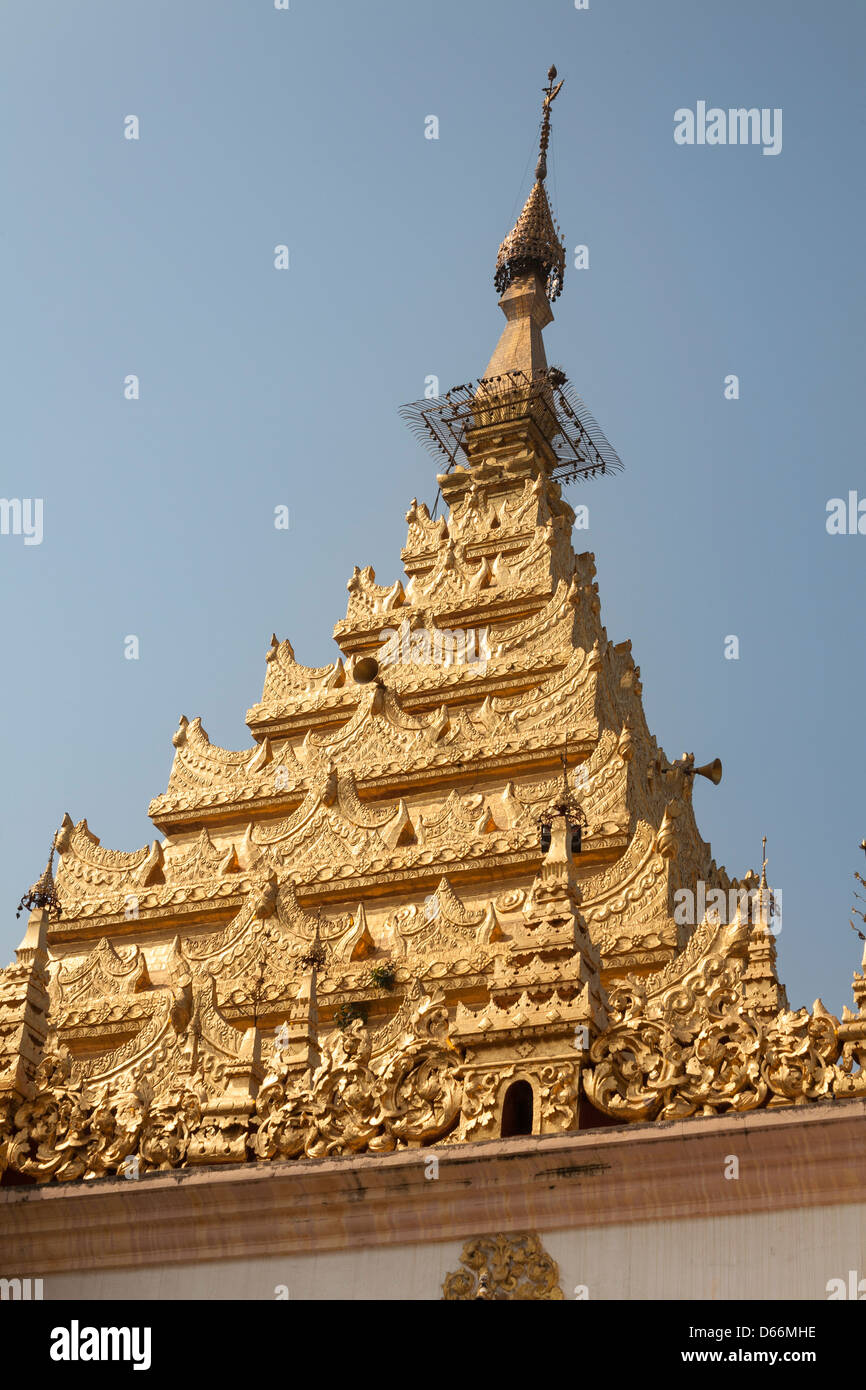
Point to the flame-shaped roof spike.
(534, 243)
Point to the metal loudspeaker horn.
(712, 771)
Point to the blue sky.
(259, 387)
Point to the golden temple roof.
(390, 922)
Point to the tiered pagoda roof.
(347, 936)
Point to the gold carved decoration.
(504, 1267)
(349, 938)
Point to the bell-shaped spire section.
(530, 269)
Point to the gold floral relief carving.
(504, 1267)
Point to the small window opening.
(517, 1110)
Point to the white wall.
(781, 1255)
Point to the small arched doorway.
(517, 1109)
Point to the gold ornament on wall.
(504, 1267)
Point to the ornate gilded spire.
(534, 243)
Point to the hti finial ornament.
(317, 955)
(43, 893)
(534, 243)
(566, 805)
(550, 95)
(767, 897)
(859, 896)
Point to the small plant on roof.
(383, 976)
(346, 1014)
